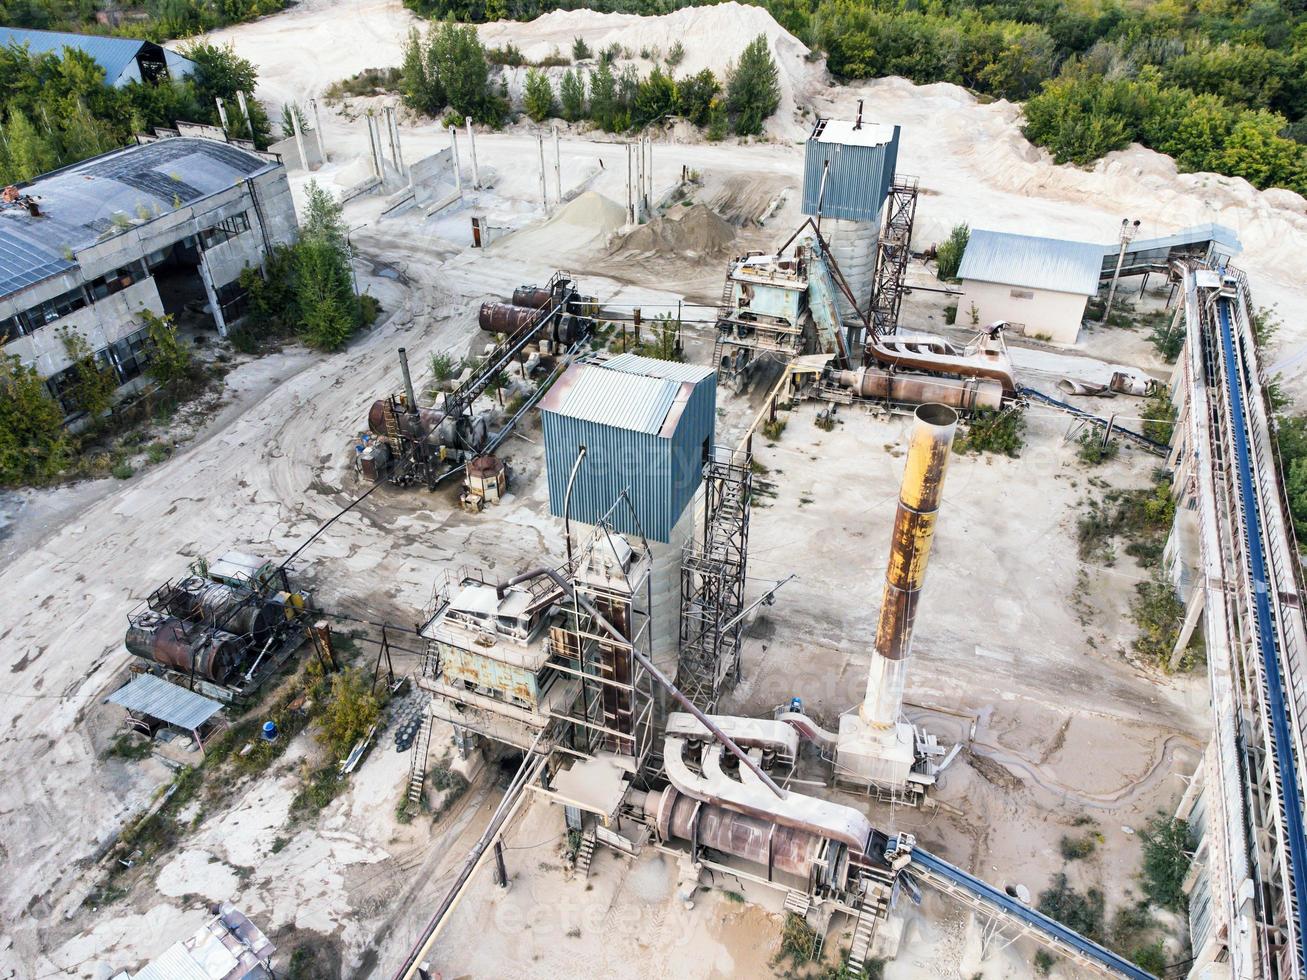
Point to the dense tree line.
(448, 68)
(157, 20)
(57, 110)
(1220, 84)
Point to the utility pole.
(458, 170)
(317, 128)
(544, 196)
(558, 170)
(472, 148)
(1128, 232)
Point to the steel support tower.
(712, 580)
(892, 253)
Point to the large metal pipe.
(505, 317)
(965, 394)
(535, 297)
(754, 839)
(914, 527)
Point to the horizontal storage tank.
(166, 641)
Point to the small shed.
(152, 702)
(647, 428)
(1038, 285)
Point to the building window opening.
(176, 272)
(237, 224)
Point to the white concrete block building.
(1039, 285)
(166, 226)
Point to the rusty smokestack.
(914, 527)
(408, 381)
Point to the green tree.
(580, 50)
(419, 80)
(571, 92)
(603, 98)
(30, 153)
(753, 91)
(654, 98)
(95, 383)
(171, 363)
(324, 217)
(538, 95)
(323, 294)
(1166, 862)
(695, 95)
(459, 63)
(949, 255)
(34, 445)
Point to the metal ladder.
(864, 931)
(417, 766)
(585, 854)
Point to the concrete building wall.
(101, 323)
(1033, 312)
(225, 260)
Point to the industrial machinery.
(409, 443)
(221, 629)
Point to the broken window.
(224, 230)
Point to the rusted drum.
(535, 297)
(165, 641)
(506, 318)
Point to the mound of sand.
(580, 225)
(698, 230)
(713, 38)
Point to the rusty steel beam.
(914, 527)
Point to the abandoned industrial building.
(166, 226)
(123, 60)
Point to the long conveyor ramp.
(1152, 445)
(988, 900)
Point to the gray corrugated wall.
(859, 179)
(662, 474)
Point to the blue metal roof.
(848, 168)
(113, 54)
(139, 183)
(1036, 263)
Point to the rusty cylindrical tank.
(164, 640)
(964, 394)
(793, 851)
(505, 317)
(234, 609)
(914, 528)
(535, 297)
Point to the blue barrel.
(269, 731)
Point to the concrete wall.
(1030, 311)
(289, 151)
(433, 179)
(101, 323)
(225, 260)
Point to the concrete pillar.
(630, 187)
(222, 114)
(392, 131)
(458, 170)
(372, 145)
(544, 197)
(472, 149)
(317, 128)
(1195, 610)
(212, 294)
(245, 110)
(558, 169)
(299, 136)
(648, 142)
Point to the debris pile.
(698, 230)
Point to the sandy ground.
(1069, 726)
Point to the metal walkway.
(989, 900)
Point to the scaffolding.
(614, 708)
(892, 253)
(712, 580)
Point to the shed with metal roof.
(848, 168)
(647, 427)
(124, 60)
(1039, 286)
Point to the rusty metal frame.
(893, 250)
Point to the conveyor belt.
(1152, 445)
(1057, 937)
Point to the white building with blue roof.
(167, 226)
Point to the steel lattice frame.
(712, 580)
(892, 253)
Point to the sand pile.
(578, 226)
(698, 230)
(713, 38)
(747, 199)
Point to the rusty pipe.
(408, 381)
(914, 528)
(965, 394)
(507, 318)
(534, 297)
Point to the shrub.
(1083, 913)
(350, 711)
(993, 431)
(1158, 614)
(695, 96)
(948, 257)
(1093, 450)
(1159, 416)
(171, 363)
(1077, 848)
(675, 54)
(122, 470)
(580, 50)
(1167, 339)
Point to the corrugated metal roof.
(78, 203)
(169, 703)
(654, 368)
(1210, 232)
(1036, 263)
(113, 54)
(625, 401)
(858, 166)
